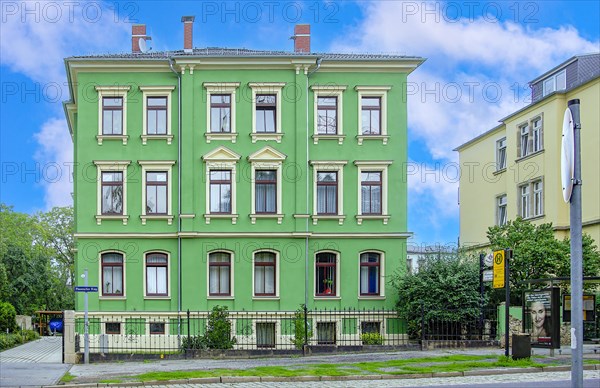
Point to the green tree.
(7, 317)
(56, 235)
(446, 287)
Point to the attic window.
(555, 82)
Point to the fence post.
(304, 348)
(422, 326)
(188, 331)
(69, 332)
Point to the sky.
(480, 57)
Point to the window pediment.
(221, 154)
(267, 154)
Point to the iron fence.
(459, 325)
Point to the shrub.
(7, 317)
(218, 330)
(371, 339)
(299, 329)
(7, 341)
(193, 342)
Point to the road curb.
(277, 379)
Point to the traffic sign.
(499, 273)
(86, 289)
(488, 275)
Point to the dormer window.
(555, 82)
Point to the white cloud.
(492, 56)
(36, 37)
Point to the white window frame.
(329, 166)
(221, 158)
(537, 134)
(338, 270)
(221, 88)
(550, 84)
(112, 91)
(267, 158)
(525, 201)
(373, 165)
(524, 130)
(267, 88)
(373, 91)
(500, 146)
(101, 286)
(168, 254)
(501, 201)
(111, 166)
(277, 270)
(332, 90)
(381, 275)
(231, 275)
(164, 166)
(156, 91)
(538, 194)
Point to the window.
(265, 191)
(531, 202)
(501, 154)
(327, 188)
(538, 198)
(370, 192)
(326, 333)
(524, 140)
(370, 264)
(327, 115)
(112, 192)
(220, 191)
(157, 328)
(371, 116)
(370, 327)
(156, 192)
(501, 210)
(555, 82)
(372, 113)
(266, 111)
(113, 328)
(219, 274)
(112, 115)
(525, 199)
(265, 334)
(264, 274)
(220, 113)
(156, 115)
(112, 274)
(157, 274)
(326, 276)
(537, 134)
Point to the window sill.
(112, 298)
(339, 138)
(531, 155)
(383, 138)
(100, 217)
(233, 217)
(266, 136)
(369, 297)
(210, 136)
(145, 138)
(533, 218)
(157, 297)
(145, 218)
(279, 217)
(384, 217)
(216, 297)
(321, 297)
(498, 172)
(265, 298)
(340, 218)
(184, 216)
(101, 138)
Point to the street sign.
(86, 289)
(488, 275)
(499, 274)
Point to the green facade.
(195, 237)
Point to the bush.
(218, 332)
(299, 329)
(7, 317)
(29, 335)
(7, 341)
(371, 339)
(193, 342)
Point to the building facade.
(514, 169)
(255, 180)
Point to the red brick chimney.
(137, 31)
(188, 33)
(302, 38)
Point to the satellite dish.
(567, 156)
(142, 44)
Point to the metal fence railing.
(459, 325)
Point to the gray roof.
(209, 52)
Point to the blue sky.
(481, 54)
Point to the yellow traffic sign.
(499, 274)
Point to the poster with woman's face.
(537, 317)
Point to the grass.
(591, 361)
(67, 378)
(452, 363)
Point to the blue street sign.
(86, 289)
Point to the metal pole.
(482, 294)
(86, 323)
(507, 255)
(576, 257)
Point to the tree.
(56, 232)
(446, 287)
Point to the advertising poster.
(541, 317)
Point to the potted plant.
(328, 285)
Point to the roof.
(478, 137)
(564, 64)
(243, 52)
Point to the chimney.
(137, 31)
(302, 38)
(188, 33)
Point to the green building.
(256, 180)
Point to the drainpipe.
(306, 259)
(178, 195)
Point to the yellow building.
(514, 169)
